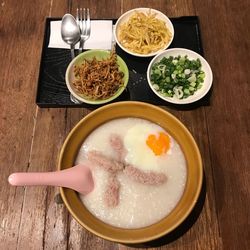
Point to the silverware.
(73, 99)
(83, 21)
(70, 32)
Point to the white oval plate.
(191, 55)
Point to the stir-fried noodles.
(98, 79)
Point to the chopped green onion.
(177, 76)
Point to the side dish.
(144, 33)
(98, 79)
(178, 76)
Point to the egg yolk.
(158, 145)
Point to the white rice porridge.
(139, 205)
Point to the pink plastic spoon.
(78, 178)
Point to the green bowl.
(99, 55)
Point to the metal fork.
(83, 20)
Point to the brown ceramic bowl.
(169, 123)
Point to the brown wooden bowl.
(176, 129)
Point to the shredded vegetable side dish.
(98, 79)
(177, 76)
(143, 33)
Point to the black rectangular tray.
(52, 91)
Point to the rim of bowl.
(144, 9)
(193, 98)
(96, 102)
(121, 231)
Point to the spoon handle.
(72, 50)
(78, 178)
(36, 179)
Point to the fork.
(83, 21)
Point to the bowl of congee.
(146, 167)
(143, 32)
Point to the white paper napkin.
(100, 37)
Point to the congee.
(139, 172)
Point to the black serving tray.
(52, 91)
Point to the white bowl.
(206, 85)
(124, 18)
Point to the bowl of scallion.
(179, 76)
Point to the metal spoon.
(70, 32)
(78, 178)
